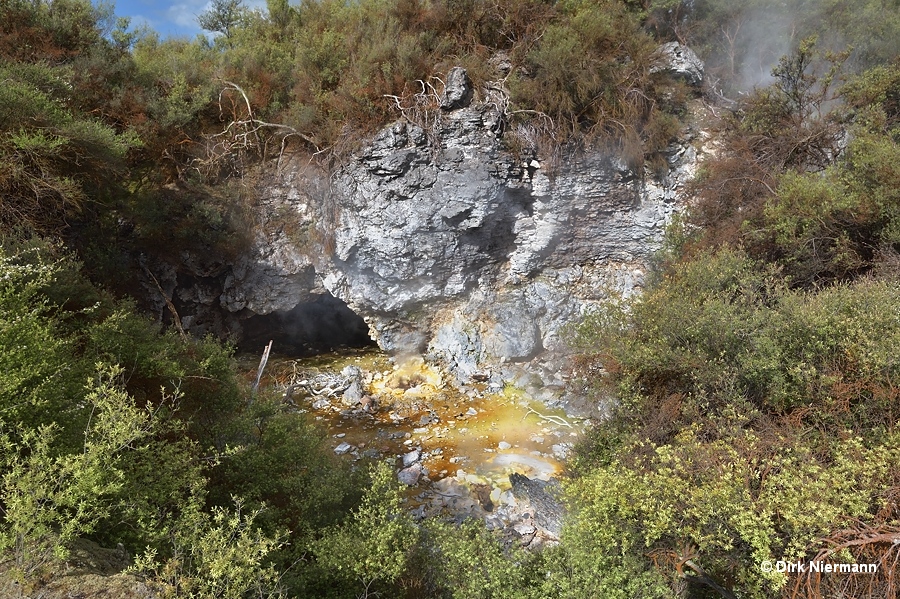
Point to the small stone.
(343, 448)
(471, 412)
(561, 450)
(503, 445)
(410, 476)
(493, 523)
(340, 435)
(524, 529)
(506, 498)
(411, 458)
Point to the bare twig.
(549, 418)
(242, 134)
(176, 319)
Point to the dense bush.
(113, 430)
(803, 182)
(742, 42)
(53, 161)
(753, 420)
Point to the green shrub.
(726, 505)
(41, 380)
(752, 421)
(372, 549)
(50, 499)
(279, 459)
(467, 560)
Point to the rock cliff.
(447, 245)
(460, 252)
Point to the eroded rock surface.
(448, 245)
(680, 61)
(458, 251)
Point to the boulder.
(458, 90)
(543, 496)
(354, 393)
(410, 476)
(679, 61)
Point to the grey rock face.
(450, 247)
(458, 251)
(458, 90)
(680, 61)
(276, 272)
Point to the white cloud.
(184, 14)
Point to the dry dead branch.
(168, 301)
(422, 108)
(864, 544)
(243, 136)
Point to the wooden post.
(262, 366)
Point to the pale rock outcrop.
(458, 90)
(679, 61)
(449, 246)
(453, 248)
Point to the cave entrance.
(321, 325)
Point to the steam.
(753, 40)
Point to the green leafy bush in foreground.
(754, 421)
(114, 431)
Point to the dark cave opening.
(322, 325)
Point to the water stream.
(455, 448)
